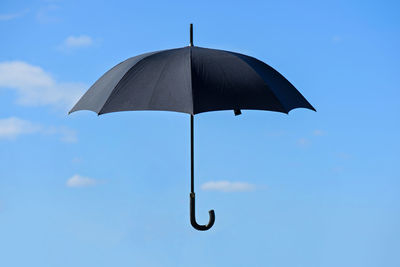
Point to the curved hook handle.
(193, 216)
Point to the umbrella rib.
(272, 91)
(306, 104)
(157, 82)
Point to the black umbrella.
(192, 80)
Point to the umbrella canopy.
(192, 80)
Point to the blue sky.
(304, 189)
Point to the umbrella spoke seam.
(113, 92)
(272, 91)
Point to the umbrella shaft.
(191, 131)
(192, 152)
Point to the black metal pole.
(192, 195)
(192, 153)
(191, 129)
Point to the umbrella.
(192, 80)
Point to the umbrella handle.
(193, 216)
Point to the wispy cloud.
(337, 38)
(77, 160)
(227, 186)
(278, 133)
(36, 87)
(303, 142)
(81, 181)
(344, 156)
(76, 42)
(318, 132)
(11, 16)
(48, 14)
(66, 134)
(13, 127)
(337, 169)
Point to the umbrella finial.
(191, 34)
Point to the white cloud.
(35, 87)
(13, 127)
(77, 41)
(48, 14)
(11, 16)
(226, 186)
(81, 181)
(318, 132)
